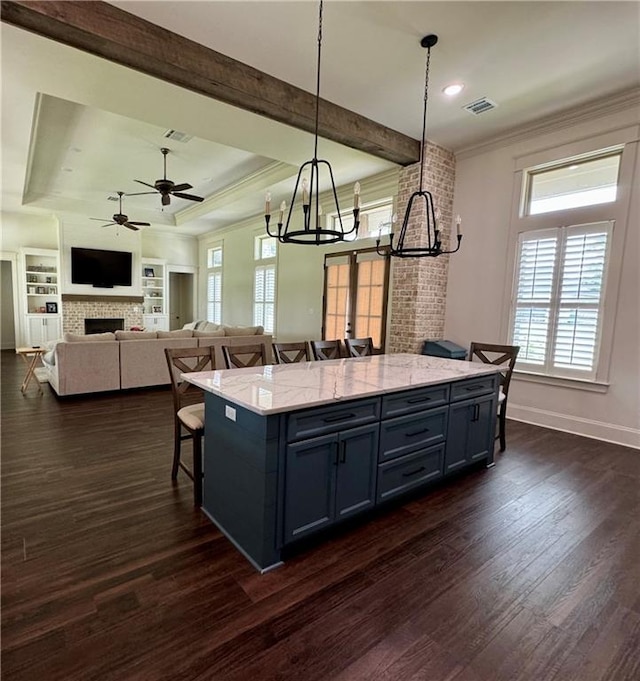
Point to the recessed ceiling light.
(573, 167)
(453, 89)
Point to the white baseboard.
(599, 430)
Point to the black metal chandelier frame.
(433, 247)
(313, 232)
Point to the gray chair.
(505, 357)
(288, 353)
(188, 408)
(326, 349)
(358, 347)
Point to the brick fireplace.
(75, 309)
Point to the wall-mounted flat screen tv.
(102, 269)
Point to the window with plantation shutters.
(264, 282)
(559, 293)
(264, 297)
(214, 285)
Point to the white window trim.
(554, 305)
(214, 270)
(618, 212)
(261, 263)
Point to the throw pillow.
(135, 335)
(208, 334)
(208, 326)
(179, 333)
(82, 337)
(243, 330)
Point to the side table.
(30, 357)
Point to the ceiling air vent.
(112, 198)
(480, 106)
(177, 136)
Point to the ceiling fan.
(123, 220)
(168, 188)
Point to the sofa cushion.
(243, 330)
(179, 333)
(82, 337)
(135, 335)
(208, 334)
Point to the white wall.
(28, 231)
(479, 286)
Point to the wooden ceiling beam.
(111, 33)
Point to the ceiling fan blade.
(143, 193)
(166, 199)
(109, 224)
(189, 197)
(139, 224)
(181, 187)
(130, 225)
(99, 219)
(146, 184)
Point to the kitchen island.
(292, 449)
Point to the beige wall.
(28, 231)
(480, 278)
(299, 269)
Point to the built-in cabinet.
(270, 481)
(41, 301)
(155, 310)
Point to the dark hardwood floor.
(529, 571)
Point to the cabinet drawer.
(404, 474)
(464, 390)
(331, 419)
(397, 404)
(416, 431)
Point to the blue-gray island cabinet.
(292, 449)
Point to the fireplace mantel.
(87, 298)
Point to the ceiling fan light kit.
(433, 246)
(121, 219)
(312, 231)
(167, 188)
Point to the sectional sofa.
(130, 359)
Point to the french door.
(356, 287)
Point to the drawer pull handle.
(477, 387)
(417, 400)
(340, 417)
(410, 473)
(416, 432)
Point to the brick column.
(419, 285)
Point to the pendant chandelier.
(433, 246)
(312, 230)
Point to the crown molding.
(376, 184)
(596, 108)
(251, 184)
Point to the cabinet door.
(310, 476)
(457, 434)
(481, 434)
(52, 328)
(356, 474)
(470, 435)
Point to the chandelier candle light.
(312, 231)
(433, 246)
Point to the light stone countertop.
(288, 387)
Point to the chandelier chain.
(315, 148)
(424, 119)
